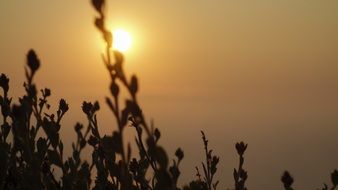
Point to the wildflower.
(87, 107)
(32, 61)
(241, 147)
(63, 106)
(179, 153)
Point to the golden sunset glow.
(261, 72)
(122, 40)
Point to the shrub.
(27, 159)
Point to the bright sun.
(122, 40)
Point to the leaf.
(110, 104)
(133, 85)
(4, 80)
(118, 58)
(116, 142)
(54, 139)
(76, 156)
(99, 23)
(96, 106)
(83, 143)
(334, 177)
(157, 134)
(92, 140)
(5, 106)
(41, 145)
(133, 108)
(46, 92)
(287, 179)
(235, 174)
(54, 158)
(61, 147)
(114, 89)
(161, 157)
(108, 37)
(98, 4)
(110, 145)
(32, 91)
(5, 129)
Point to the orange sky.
(260, 71)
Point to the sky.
(263, 72)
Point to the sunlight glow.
(122, 40)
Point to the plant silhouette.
(27, 160)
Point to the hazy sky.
(262, 71)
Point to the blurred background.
(262, 71)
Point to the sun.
(121, 40)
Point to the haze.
(262, 71)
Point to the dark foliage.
(240, 175)
(29, 160)
(287, 180)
